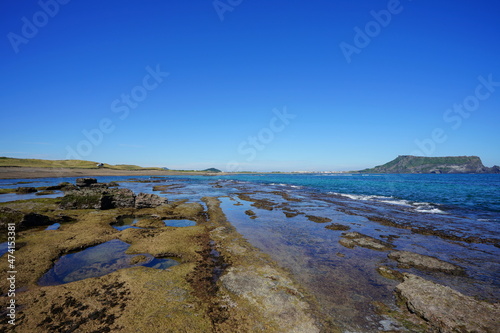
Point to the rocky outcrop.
(25, 190)
(446, 310)
(100, 196)
(146, 200)
(85, 182)
(22, 220)
(122, 198)
(408, 259)
(420, 164)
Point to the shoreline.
(30, 173)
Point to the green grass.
(70, 164)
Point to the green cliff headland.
(420, 164)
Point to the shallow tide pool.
(97, 261)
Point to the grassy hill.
(69, 164)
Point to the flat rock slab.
(410, 259)
(353, 239)
(445, 309)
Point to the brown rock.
(420, 261)
(145, 200)
(337, 226)
(318, 219)
(445, 309)
(352, 239)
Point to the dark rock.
(318, 219)
(122, 198)
(85, 182)
(25, 190)
(419, 261)
(446, 310)
(69, 187)
(46, 192)
(99, 185)
(337, 226)
(53, 188)
(21, 220)
(84, 199)
(145, 200)
(34, 220)
(8, 215)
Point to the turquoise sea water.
(469, 194)
(462, 191)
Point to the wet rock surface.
(318, 219)
(353, 239)
(445, 309)
(337, 226)
(408, 259)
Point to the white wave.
(397, 202)
(421, 207)
(430, 211)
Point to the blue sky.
(249, 85)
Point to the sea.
(453, 217)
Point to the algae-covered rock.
(189, 210)
(150, 222)
(445, 309)
(390, 273)
(25, 190)
(337, 226)
(353, 239)
(22, 220)
(138, 259)
(318, 219)
(410, 259)
(85, 199)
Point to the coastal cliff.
(419, 164)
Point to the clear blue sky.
(73, 73)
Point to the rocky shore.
(216, 280)
(221, 284)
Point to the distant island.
(420, 164)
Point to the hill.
(214, 170)
(419, 164)
(68, 164)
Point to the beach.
(280, 253)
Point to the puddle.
(179, 223)
(97, 261)
(126, 222)
(54, 226)
(4, 247)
